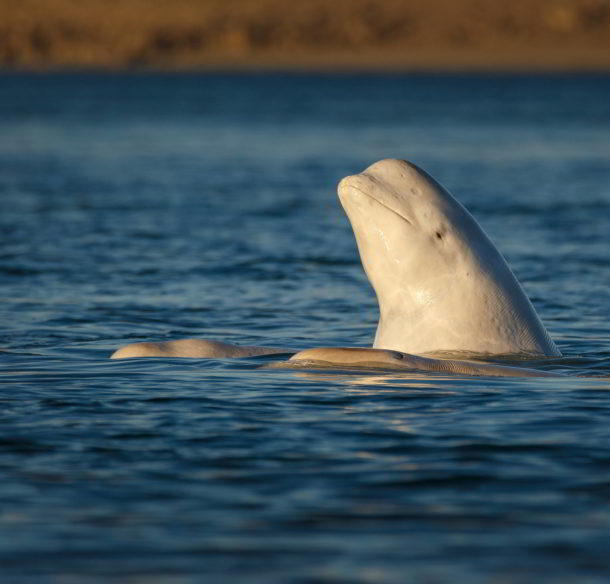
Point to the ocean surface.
(162, 206)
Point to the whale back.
(441, 284)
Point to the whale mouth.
(343, 186)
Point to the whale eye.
(439, 235)
(398, 355)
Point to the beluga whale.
(441, 284)
(446, 295)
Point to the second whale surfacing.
(442, 286)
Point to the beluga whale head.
(441, 284)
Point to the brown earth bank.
(311, 34)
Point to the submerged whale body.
(441, 284)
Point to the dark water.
(167, 206)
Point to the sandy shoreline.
(471, 35)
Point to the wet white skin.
(442, 286)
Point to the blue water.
(149, 207)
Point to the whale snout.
(345, 185)
(386, 181)
(355, 186)
(369, 198)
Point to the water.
(136, 207)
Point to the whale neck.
(494, 319)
